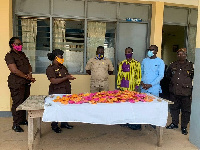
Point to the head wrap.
(56, 52)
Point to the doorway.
(174, 37)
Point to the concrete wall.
(195, 112)
(183, 3)
(195, 116)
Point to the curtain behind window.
(96, 37)
(29, 33)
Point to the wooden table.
(35, 107)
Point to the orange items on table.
(115, 96)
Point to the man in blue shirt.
(152, 72)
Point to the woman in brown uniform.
(18, 81)
(59, 77)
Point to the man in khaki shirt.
(99, 68)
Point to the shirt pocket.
(185, 85)
(188, 72)
(155, 68)
(187, 89)
(104, 65)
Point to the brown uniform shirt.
(181, 76)
(99, 68)
(54, 71)
(22, 64)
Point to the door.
(174, 37)
(132, 35)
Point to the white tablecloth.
(154, 113)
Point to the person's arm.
(110, 67)
(14, 70)
(119, 75)
(161, 71)
(138, 74)
(110, 72)
(192, 72)
(60, 80)
(88, 67)
(142, 73)
(88, 72)
(169, 73)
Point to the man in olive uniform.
(180, 74)
(99, 68)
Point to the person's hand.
(28, 76)
(33, 80)
(70, 77)
(142, 83)
(147, 86)
(137, 88)
(88, 72)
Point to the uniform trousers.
(19, 95)
(182, 103)
(98, 86)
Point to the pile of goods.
(115, 96)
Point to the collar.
(99, 59)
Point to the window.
(101, 34)
(35, 35)
(68, 35)
(75, 26)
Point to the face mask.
(60, 60)
(99, 56)
(17, 47)
(150, 53)
(129, 55)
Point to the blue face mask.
(150, 53)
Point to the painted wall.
(6, 33)
(156, 25)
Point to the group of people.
(132, 75)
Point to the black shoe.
(135, 126)
(124, 125)
(17, 128)
(184, 131)
(153, 126)
(24, 123)
(171, 126)
(66, 125)
(56, 129)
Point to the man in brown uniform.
(180, 74)
(99, 68)
(18, 81)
